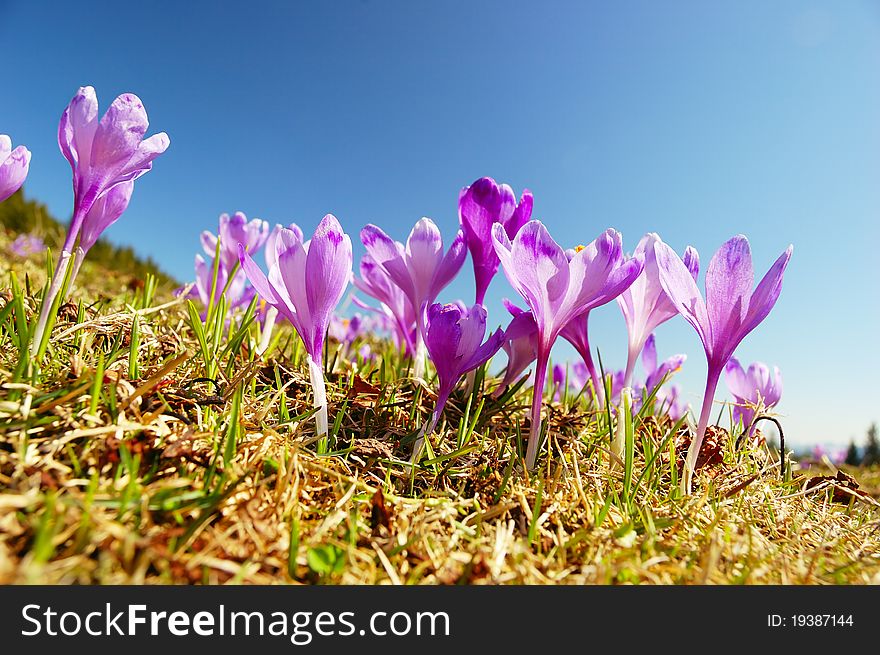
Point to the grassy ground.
(120, 463)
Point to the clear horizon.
(697, 123)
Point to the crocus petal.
(76, 130)
(142, 159)
(327, 272)
(424, 252)
(682, 290)
(521, 215)
(729, 280)
(766, 293)
(387, 254)
(13, 170)
(118, 135)
(536, 267)
(649, 356)
(257, 277)
(449, 266)
(736, 378)
(106, 211)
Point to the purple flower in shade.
(558, 290)
(305, 284)
(347, 330)
(237, 230)
(480, 206)
(667, 398)
(396, 306)
(730, 311)
(103, 153)
(14, 166)
(420, 269)
(752, 389)
(520, 344)
(237, 295)
(26, 245)
(251, 236)
(645, 304)
(572, 376)
(454, 340)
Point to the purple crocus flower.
(102, 154)
(730, 311)
(420, 269)
(26, 245)
(575, 374)
(752, 389)
(480, 206)
(305, 284)
(558, 290)
(237, 230)
(644, 304)
(14, 166)
(238, 294)
(668, 396)
(520, 344)
(396, 306)
(454, 340)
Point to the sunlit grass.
(153, 445)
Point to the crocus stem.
(49, 300)
(630, 367)
(419, 357)
(316, 375)
(268, 325)
(694, 449)
(428, 427)
(537, 402)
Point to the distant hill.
(21, 216)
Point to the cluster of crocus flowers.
(26, 245)
(729, 312)
(106, 155)
(14, 164)
(305, 283)
(753, 389)
(218, 272)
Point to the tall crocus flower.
(305, 284)
(454, 339)
(752, 389)
(558, 289)
(396, 306)
(420, 269)
(480, 206)
(520, 344)
(14, 166)
(103, 153)
(252, 235)
(730, 311)
(644, 304)
(237, 230)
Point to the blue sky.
(695, 120)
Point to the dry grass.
(175, 481)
